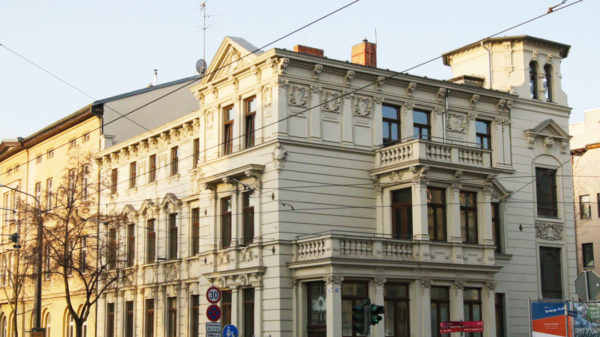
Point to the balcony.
(433, 152)
(373, 249)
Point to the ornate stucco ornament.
(549, 231)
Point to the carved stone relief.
(549, 231)
(317, 71)
(298, 95)
(331, 100)
(267, 96)
(457, 122)
(362, 106)
(348, 78)
(279, 155)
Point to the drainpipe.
(489, 51)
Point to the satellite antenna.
(201, 67)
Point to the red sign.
(213, 295)
(461, 326)
(213, 313)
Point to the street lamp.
(37, 330)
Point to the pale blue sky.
(110, 47)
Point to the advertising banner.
(587, 319)
(548, 319)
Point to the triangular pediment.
(148, 208)
(130, 212)
(233, 55)
(170, 201)
(548, 128)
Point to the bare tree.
(74, 249)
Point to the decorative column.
(471, 131)
(236, 217)
(383, 216)
(486, 236)
(118, 318)
(347, 117)
(183, 311)
(419, 203)
(406, 122)
(334, 305)
(376, 295)
(453, 218)
(258, 308)
(235, 306)
(139, 307)
(159, 312)
(457, 302)
(488, 307)
(377, 116)
(425, 288)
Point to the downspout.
(489, 51)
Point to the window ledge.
(553, 220)
(504, 257)
(173, 178)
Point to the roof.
(247, 45)
(563, 48)
(144, 90)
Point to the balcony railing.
(443, 152)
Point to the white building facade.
(305, 185)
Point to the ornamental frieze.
(549, 231)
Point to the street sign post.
(230, 331)
(213, 313)
(587, 285)
(461, 326)
(213, 327)
(213, 295)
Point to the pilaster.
(334, 305)
(424, 326)
(419, 210)
(376, 295)
(457, 303)
(488, 304)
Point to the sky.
(109, 47)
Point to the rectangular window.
(390, 124)
(316, 306)
(111, 248)
(496, 227)
(72, 143)
(172, 317)
(248, 223)
(440, 308)
(226, 307)
(396, 310)
(38, 191)
(248, 297)
(225, 222)
(172, 236)
(85, 182)
(50, 154)
(150, 240)
(110, 320)
(49, 194)
(545, 186)
(149, 323)
(114, 176)
(421, 124)
(38, 159)
(195, 312)
(468, 216)
(227, 129)
(250, 113)
(500, 315)
(72, 181)
(83, 255)
(132, 174)
(353, 293)
(129, 327)
(196, 150)
(47, 262)
(195, 231)
(472, 307)
(585, 207)
(402, 214)
(152, 168)
(130, 244)
(436, 214)
(550, 266)
(483, 134)
(587, 252)
(86, 137)
(598, 203)
(174, 160)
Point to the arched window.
(46, 324)
(3, 327)
(533, 85)
(71, 331)
(548, 83)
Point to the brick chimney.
(365, 53)
(308, 50)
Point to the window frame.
(548, 85)
(132, 174)
(228, 120)
(152, 168)
(114, 176)
(196, 152)
(533, 80)
(464, 216)
(391, 122)
(315, 328)
(195, 315)
(129, 319)
(480, 137)
(111, 249)
(587, 249)
(388, 299)
(173, 236)
(248, 311)
(226, 219)
(420, 127)
(436, 207)
(149, 318)
(401, 228)
(585, 207)
(110, 319)
(554, 272)
(550, 209)
(249, 122)
(435, 332)
(174, 160)
(355, 300)
(195, 247)
(248, 218)
(500, 304)
(469, 307)
(226, 301)
(497, 226)
(150, 240)
(130, 244)
(171, 316)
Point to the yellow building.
(35, 165)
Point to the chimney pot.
(308, 50)
(365, 53)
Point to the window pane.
(420, 117)
(482, 127)
(389, 112)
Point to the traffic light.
(375, 312)
(360, 318)
(14, 237)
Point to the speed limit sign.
(213, 295)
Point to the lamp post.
(37, 330)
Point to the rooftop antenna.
(204, 15)
(155, 77)
(375, 35)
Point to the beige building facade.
(304, 185)
(585, 142)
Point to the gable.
(233, 55)
(548, 128)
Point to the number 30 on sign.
(213, 295)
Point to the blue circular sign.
(230, 331)
(213, 313)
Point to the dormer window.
(533, 85)
(548, 83)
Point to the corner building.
(304, 185)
